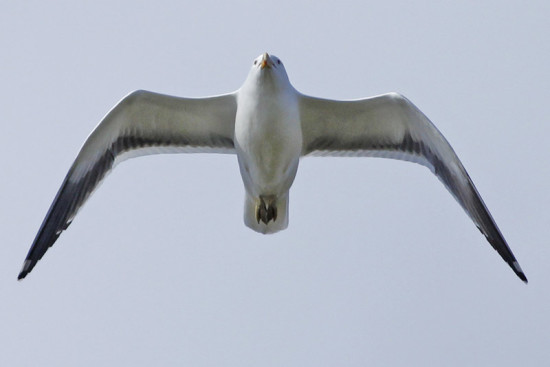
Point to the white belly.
(268, 141)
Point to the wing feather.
(141, 123)
(390, 126)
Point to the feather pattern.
(390, 126)
(142, 123)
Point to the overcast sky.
(379, 266)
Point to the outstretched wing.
(390, 126)
(142, 123)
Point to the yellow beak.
(266, 62)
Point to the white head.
(268, 69)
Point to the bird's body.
(268, 143)
(269, 126)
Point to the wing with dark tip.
(390, 126)
(142, 123)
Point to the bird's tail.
(266, 214)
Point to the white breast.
(268, 138)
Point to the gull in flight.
(269, 125)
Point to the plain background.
(379, 266)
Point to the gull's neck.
(267, 84)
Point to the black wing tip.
(26, 269)
(523, 278)
(519, 272)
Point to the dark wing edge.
(118, 138)
(417, 140)
(70, 197)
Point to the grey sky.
(379, 266)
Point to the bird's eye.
(278, 62)
(255, 62)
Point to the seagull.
(269, 125)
